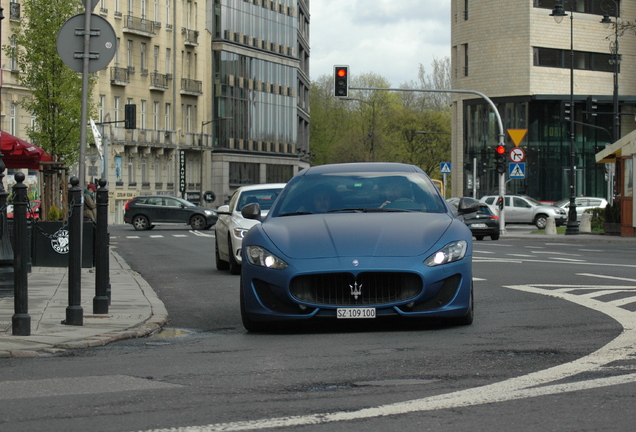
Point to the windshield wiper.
(368, 210)
(296, 213)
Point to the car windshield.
(186, 203)
(562, 202)
(359, 192)
(264, 197)
(532, 201)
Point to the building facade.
(219, 89)
(519, 56)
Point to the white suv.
(521, 209)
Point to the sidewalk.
(135, 311)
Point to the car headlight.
(208, 212)
(240, 232)
(263, 258)
(453, 251)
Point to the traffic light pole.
(502, 176)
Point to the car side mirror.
(467, 205)
(223, 210)
(252, 211)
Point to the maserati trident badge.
(356, 290)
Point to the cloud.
(387, 37)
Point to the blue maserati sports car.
(357, 241)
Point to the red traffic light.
(341, 85)
(341, 72)
(500, 149)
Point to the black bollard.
(102, 278)
(21, 321)
(74, 311)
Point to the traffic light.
(591, 108)
(130, 116)
(566, 111)
(500, 159)
(341, 81)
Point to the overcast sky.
(387, 37)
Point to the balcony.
(191, 87)
(158, 82)
(139, 26)
(191, 37)
(119, 76)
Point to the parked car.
(33, 213)
(521, 209)
(232, 226)
(143, 212)
(582, 204)
(339, 243)
(484, 222)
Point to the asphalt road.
(551, 349)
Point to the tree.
(56, 90)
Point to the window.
(142, 115)
(242, 173)
(594, 7)
(13, 60)
(129, 53)
(156, 10)
(131, 171)
(168, 20)
(550, 57)
(155, 115)
(102, 107)
(143, 66)
(13, 115)
(465, 60)
(156, 58)
(144, 171)
(116, 105)
(167, 117)
(168, 61)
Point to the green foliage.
(55, 90)
(54, 213)
(613, 213)
(598, 218)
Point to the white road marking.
(568, 259)
(606, 277)
(132, 237)
(555, 253)
(527, 386)
(156, 236)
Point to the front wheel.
(235, 267)
(220, 264)
(541, 221)
(197, 222)
(140, 223)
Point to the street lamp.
(201, 146)
(615, 59)
(558, 13)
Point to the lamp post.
(615, 59)
(201, 145)
(572, 227)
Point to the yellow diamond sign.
(517, 135)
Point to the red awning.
(19, 153)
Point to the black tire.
(140, 223)
(479, 237)
(494, 237)
(541, 221)
(235, 267)
(250, 326)
(220, 264)
(197, 222)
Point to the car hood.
(356, 234)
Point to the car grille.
(340, 288)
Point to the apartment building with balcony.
(519, 56)
(218, 104)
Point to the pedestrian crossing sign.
(445, 167)
(517, 170)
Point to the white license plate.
(347, 313)
(478, 225)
